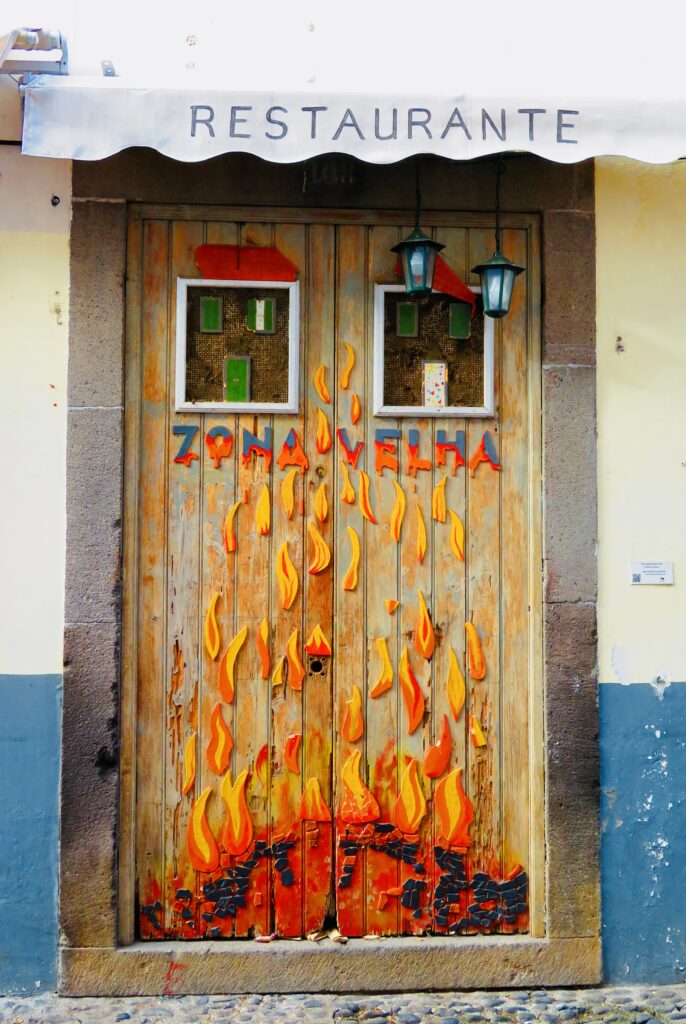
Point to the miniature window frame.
(399, 411)
(290, 406)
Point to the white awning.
(88, 118)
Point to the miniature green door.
(333, 618)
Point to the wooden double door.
(339, 757)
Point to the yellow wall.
(34, 282)
(641, 294)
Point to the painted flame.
(237, 834)
(358, 803)
(263, 648)
(365, 506)
(189, 760)
(229, 531)
(455, 687)
(398, 511)
(456, 536)
(477, 661)
(476, 732)
(221, 743)
(412, 695)
(262, 766)
(348, 493)
(355, 408)
(348, 368)
(421, 535)
(263, 512)
(424, 636)
(317, 643)
(296, 672)
(391, 604)
(320, 384)
(288, 492)
(321, 504)
(321, 557)
(312, 804)
(410, 806)
(438, 501)
(201, 845)
(323, 439)
(226, 681)
(385, 680)
(287, 577)
(290, 752)
(212, 629)
(277, 674)
(350, 578)
(437, 757)
(353, 722)
(455, 811)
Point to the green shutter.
(261, 316)
(459, 320)
(237, 379)
(211, 314)
(407, 320)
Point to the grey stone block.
(94, 512)
(96, 304)
(569, 322)
(569, 466)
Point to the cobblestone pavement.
(635, 1005)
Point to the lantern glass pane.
(493, 285)
(417, 266)
(508, 284)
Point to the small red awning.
(244, 263)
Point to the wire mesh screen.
(404, 357)
(206, 352)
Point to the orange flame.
(455, 811)
(350, 578)
(312, 804)
(287, 577)
(385, 680)
(398, 511)
(421, 535)
(212, 629)
(226, 681)
(229, 532)
(221, 743)
(455, 687)
(477, 661)
(358, 803)
(320, 384)
(438, 501)
(189, 759)
(355, 408)
(437, 757)
(288, 492)
(424, 637)
(321, 557)
(476, 732)
(456, 536)
(290, 752)
(321, 505)
(237, 834)
(277, 674)
(353, 722)
(322, 439)
(412, 695)
(262, 766)
(201, 845)
(296, 672)
(348, 368)
(391, 604)
(347, 494)
(410, 806)
(317, 643)
(263, 648)
(365, 506)
(263, 512)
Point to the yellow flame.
(201, 845)
(410, 806)
(391, 604)
(350, 578)
(189, 760)
(263, 512)
(455, 686)
(288, 492)
(365, 505)
(221, 742)
(237, 834)
(398, 511)
(477, 661)
(358, 803)
(353, 723)
(317, 642)
(229, 529)
(455, 811)
(385, 680)
(287, 577)
(211, 628)
(355, 408)
(412, 694)
(323, 438)
(347, 494)
(456, 536)
(348, 368)
(226, 682)
(277, 674)
(321, 505)
(476, 732)
(424, 637)
(312, 804)
(322, 554)
(296, 672)
(438, 501)
(421, 535)
(320, 384)
(263, 648)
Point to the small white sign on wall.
(655, 573)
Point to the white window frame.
(290, 406)
(398, 411)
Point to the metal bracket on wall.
(29, 39)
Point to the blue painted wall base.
(643, 815)
(29, 789)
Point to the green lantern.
(418, 260)
(498, 274)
